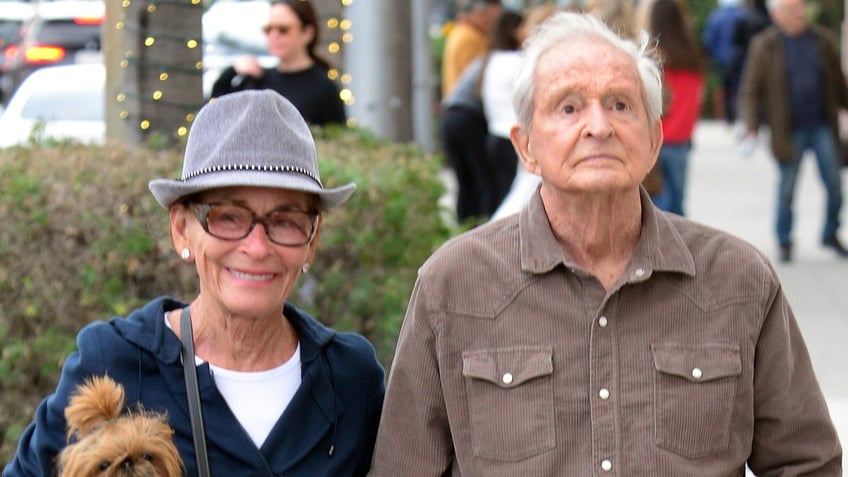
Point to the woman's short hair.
(567, 26)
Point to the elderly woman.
(279, 393)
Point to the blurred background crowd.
(401, 77)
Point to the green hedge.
(82, 239)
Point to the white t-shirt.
(259, 398)
(496, 91)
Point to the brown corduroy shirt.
(512, 361)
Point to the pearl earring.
(305, 268)
(185, 253)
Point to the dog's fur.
(106, 443)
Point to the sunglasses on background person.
(281, 30)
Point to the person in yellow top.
(468, 39)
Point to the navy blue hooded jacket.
(337, 405)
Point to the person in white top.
(500, 65)
(499, 91)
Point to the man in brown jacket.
(592, 334)
(793, 78)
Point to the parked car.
(13, 15)
(59, 32)
(57, 103)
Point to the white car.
(57, 102)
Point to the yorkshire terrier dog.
(106, 443)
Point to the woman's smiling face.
(252, 276)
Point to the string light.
(339, 28)
(139, 60)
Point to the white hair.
(566, 27)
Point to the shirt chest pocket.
(695, 388)
(510, 401)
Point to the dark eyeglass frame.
(201, 212)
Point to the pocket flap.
(697, 362)
(508, 367)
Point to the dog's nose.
(127, 465)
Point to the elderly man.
(793, 77)
(592, 334)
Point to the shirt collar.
(660, 248)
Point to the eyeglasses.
(291, 228)
(281, 30)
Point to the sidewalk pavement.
(737, 194)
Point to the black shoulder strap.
(193, 392)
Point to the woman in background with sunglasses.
(292, 33)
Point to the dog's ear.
(168, 462)
(98, 400)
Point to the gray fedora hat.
(249, 138)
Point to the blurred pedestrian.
(683, 80)
(525, 182)
(301, 74)
(468, 39)
(499, 69)
(463, 128)
(755, 18)
(717, 39)
(463, 131)
(793, 78)
(592, 334)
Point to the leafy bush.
(83, 239)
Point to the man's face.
(590, 131)
(790, 16)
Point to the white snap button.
(507, 378)
(604, 393)
(640, 272)
(697, 373)
(606, 465)
(602, 322)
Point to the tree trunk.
(153, 53)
